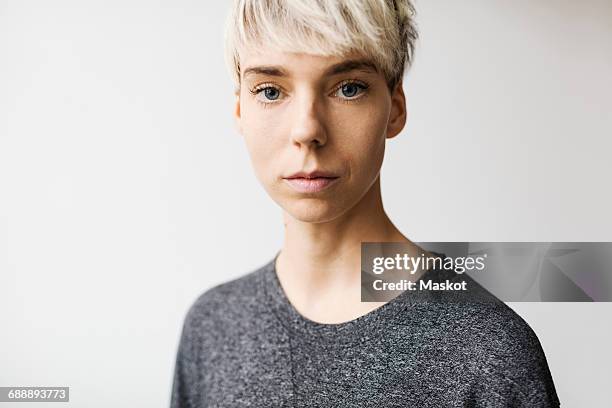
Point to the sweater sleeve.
(516, 372)
(185, 381)
(499, 391)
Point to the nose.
(308, 124)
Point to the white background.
(125, 191)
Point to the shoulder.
(228, 301)
(232, 291)
(510, 355)
(504, 349)
(495, 327)
(481, 318)
(474, 323)
(488, 344)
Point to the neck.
(323, 260)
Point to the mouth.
(310, 184)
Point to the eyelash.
(362, 85)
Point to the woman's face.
(301, 113)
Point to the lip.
(312, 174)
(310, 185)
(312, 182)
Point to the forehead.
(272, 62)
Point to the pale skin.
(315, 117)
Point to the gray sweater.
(244, 345)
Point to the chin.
(313, 210)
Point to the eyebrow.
(340, 68)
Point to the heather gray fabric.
(243, 344)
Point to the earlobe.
(237, 117)
(397, 117)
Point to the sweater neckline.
(361, 329)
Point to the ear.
(397, 117)
(237, 116)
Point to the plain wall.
(125, 190)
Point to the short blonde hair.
(381, 30)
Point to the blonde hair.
(382, 30)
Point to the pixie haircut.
(383, 31)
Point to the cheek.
(260, 132)
(365, 135)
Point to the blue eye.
(271, 93)
(351, 90)
(267, 93)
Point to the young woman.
(318, 93)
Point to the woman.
(318, 93)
